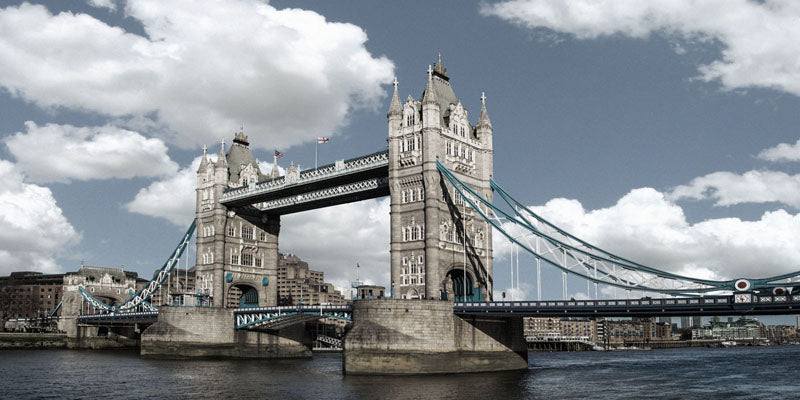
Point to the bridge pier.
(398, 337)
(210, 332)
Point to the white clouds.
(758, 37)
(728, 188)
(109, 4)
(781, 152)
(32, 227)
(287, 75)
(171, 198)
(646, 227)
(60, 153)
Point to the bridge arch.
(241, 295)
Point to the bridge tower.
(435, 236)
(237, 253)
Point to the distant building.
(697, 322)
(297, 284)
(781, 333)
(370, 292)
(686, 322)
(28, 294)
(743, 329)
(178, 289)
(561, 328)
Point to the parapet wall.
(210, 332)
(424, 336)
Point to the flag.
(322, 140)
(278, 154)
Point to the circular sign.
(742, 285)
(778, 291)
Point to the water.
(699, 373)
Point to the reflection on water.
(679, 373)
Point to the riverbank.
(62, 341)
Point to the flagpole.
(316, 146)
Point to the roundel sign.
(779, 291)
(742, 285)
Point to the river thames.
(693, 373)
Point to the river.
(693, 373)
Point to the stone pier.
(209, 332)
(398, 337)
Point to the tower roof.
(239, 156)
(442, 92)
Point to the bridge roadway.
(272, 318)
(740, 304)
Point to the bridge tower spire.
(429, 223)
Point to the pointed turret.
(394, 107)
(484, 128)
(430, 104)
(430, 95)
(395, 115)
(483, 118)
(275, 173)
(203, 161)
(222, 160)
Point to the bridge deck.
(675, 307)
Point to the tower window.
(231, 231)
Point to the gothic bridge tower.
(237, 253)
(436, 239)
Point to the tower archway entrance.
(242, 296)
(457, 289)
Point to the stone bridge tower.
(237, 251)
(435, 236)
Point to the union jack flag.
(278, 154)
(322, 140)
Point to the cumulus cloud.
(781, 152)
(109, 4)
(645, 226)
(203, 68)
(61, 153)
(758, 37)
(728, 188)
(173, 197)
(32, 228)
(334, 239)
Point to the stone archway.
(456, 282)
(241, 296)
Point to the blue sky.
(665, 132)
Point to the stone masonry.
(432, 231)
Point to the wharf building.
(28, 294)
(741, 329)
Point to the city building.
(742, 329)
(561, 329)
(370, 292)
(297, 284)
(781, 333)
(179, 289)
(28, 294)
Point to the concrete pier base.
(402, 337)
(209, 332)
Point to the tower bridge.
(438, 173)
